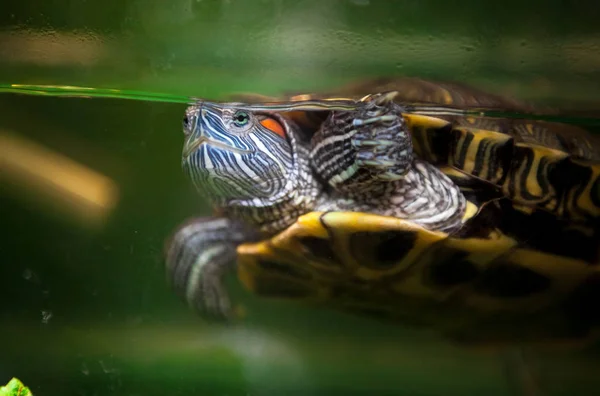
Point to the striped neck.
(299, 196)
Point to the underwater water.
(86, 309)
(90, 188)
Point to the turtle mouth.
(193, 145)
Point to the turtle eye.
(273, 125)
(241, 118)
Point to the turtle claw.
(389, 176)
(198, 255)
(376, 163)
(211, 300)
(372, 120)
(386, 97)
(382, 98)
(358, 143)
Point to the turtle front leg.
(198, 254)
(368, 145)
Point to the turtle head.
(241, 158)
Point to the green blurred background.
(84, 304)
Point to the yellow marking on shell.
(470, 211)
(301, 97)
(564, 273)
(528, 128)
(424, 121)
(452, 171)
(481, 251)
(247, 264)
(344, 224)
(473, 150)
(541, 152)
(420, 126)
(311, 224)
(585, 201)
(531, 176)
(552, 206)
(527, 209)
(307, 225)
(251, 275)
(446, 96)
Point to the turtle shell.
(480, 286)
(524, 267)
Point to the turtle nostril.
(186, 122)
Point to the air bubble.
(46, 316)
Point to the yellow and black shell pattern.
(536, 164)
(525, 267)
(479, 286)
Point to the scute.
(381, 249)
(319, 249)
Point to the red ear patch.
(274, 126)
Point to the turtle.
(397, 200)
